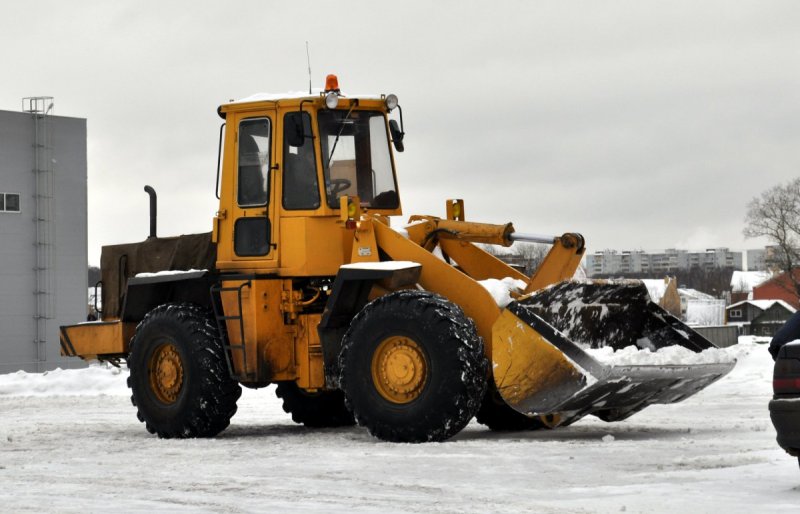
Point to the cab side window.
(300, 184)
(254, 160)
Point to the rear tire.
(412, 367)
(497, 415)
(178, 377)
(315, 410)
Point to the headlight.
(331, 100)
(391, 101)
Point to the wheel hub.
(166, 373)
(399, 369)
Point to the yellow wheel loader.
(303, 283)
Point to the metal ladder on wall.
(222, 326)
(40, 108)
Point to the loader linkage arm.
(559, 264)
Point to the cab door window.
(254, 159)
(251, 231)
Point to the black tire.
(445, 397)
(198, 397)
(315, 410)
(498, 416)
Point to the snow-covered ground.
(70, 442)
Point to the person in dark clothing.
(790, 331)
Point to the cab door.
(254, 229)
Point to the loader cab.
(286, 162)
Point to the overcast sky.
(639, 124)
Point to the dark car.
(784, 409)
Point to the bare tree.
(94, 275)
(775, 215)
(530, 255)
(525, 256)
(713, 281)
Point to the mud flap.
(539, 370)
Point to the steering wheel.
(338, 185)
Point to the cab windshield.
(355, 158)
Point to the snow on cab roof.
(763, 304)
(292, 95)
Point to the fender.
(350, 293)
(144, 293)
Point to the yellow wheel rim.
(399, 369)
(166, 373)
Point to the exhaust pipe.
(153, 211)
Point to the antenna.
(308, 59)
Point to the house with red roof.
(780, 287)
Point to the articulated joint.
(573, 240)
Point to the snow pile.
(670, 355)
(97, 379)
(595, 313)
(501, 289)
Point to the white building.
(657, 263)
(771, 256)
(756, 260)
(43, 271)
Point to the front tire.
(412, 367)
(178, 377)
(322, 409)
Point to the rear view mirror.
(293, 129)
(397, 135)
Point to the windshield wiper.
(341, 129)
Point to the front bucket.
(547, 356)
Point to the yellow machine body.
(275, 290)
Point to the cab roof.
(293, 98)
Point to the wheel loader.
(303, 283)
